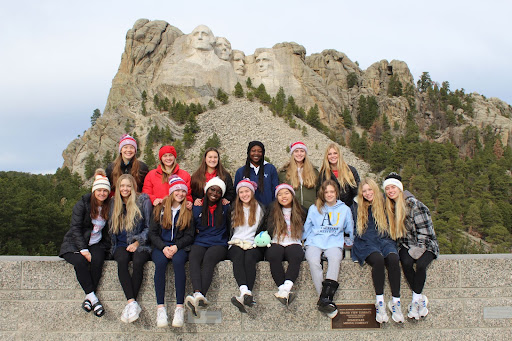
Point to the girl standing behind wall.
(260, 171)
(127, 163)
(211, 167)
(156, 184)
(334, 167)
(300, 174)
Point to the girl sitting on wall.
(285, 225)
(87, 242)
(211, 221)
(375, 244)
(130, 218)
(324, 232)
(419, 243)
(171, 235)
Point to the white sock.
(244, 290)
(92, 297)
(396, 300)
(379, 298)
(287, 285)
(416, 297)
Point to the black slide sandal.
(87, 305)
(98, 309)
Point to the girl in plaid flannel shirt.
(418, 244)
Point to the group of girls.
(169, 216)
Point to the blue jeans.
(178, 264)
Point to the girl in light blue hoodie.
(324, 232)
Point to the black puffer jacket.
(347, 193)
(77, 238)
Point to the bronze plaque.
(355, 316)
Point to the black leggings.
(208, 257)
(87, 274)
(391, 262)
(244, 264)
(416, 279)
(275, 255)
(131, 284)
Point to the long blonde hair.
(345, 175)
(396, 212)
(166, 219)
(320, 199)
(377, 204)
(238, 217)
(121, 221)
(292, 174)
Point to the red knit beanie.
(166, 150)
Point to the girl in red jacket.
(156, 184)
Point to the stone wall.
(470, 299)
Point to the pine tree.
(95, 115)
(239, 91)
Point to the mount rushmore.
(161, 60)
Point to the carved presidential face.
(223, 48)
(202, 38)
(264, 63)
(239, 63)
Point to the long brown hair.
(95, 207)
(377, 209)
(297, 219)
(292, 174)
(345, 175)
(238, 217)
(125, 221)
(198, 179)
(163, 213)
(117, 172)
(396, 212)
(320, 199)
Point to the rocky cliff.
(161, 60)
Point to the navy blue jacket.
(270, 182)
(211, 235)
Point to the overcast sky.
(58, 58)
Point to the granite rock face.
(159, 59)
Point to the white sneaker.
(179, 317)
(200, 300)
(412, 311)
(282, 296)
(422, 306)
(190, 303)
(133, 311)
(161, 317)
(381, 315)
(124, 314)
(396, 311)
